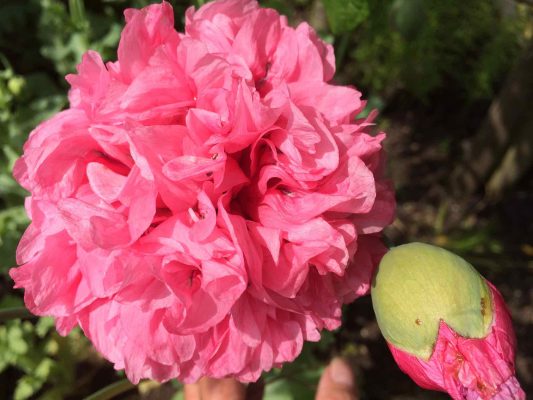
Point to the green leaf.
(13, 220)
(26, 387)
(409, 16)
(281, 6)
(278, 390)
(346, 15)
(16, 85)
(16, 341)
(179, 395)
(43, 369)
(43, 326)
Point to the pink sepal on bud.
(471, 369)
(447, 327)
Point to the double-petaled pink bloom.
(208, 201)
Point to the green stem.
(112, 390)
(7, 314)
(342, 48)
(77, 13)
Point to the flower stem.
(7, 314)
(342, 49)
(112, 390)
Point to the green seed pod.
(418, 285)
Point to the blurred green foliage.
(419, 46)
(47, 362)
(344, 16)
(424, 46)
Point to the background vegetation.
(440, 72)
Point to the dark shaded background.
(453, 81)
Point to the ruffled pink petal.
(145, 30)
(208, 202)
(469, 368)
(89, 86)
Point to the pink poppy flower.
(208, 202)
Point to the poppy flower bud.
(446, 326)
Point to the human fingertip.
(222, 389)
(340, 372)
(191, 391)
(337, 382)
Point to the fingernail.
(340, 372)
